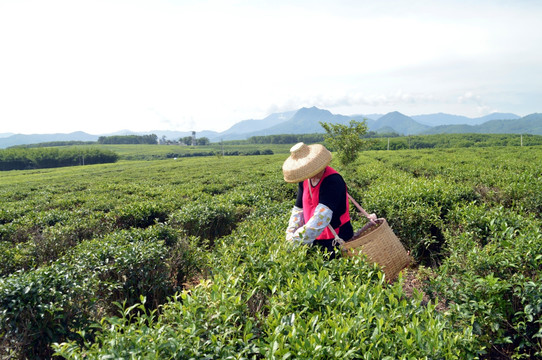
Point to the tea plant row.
(40, 158)
(77, 241)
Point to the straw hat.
(305, 161)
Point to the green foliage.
(416, 208)
(441, 141)
(54, 301)
(207, 220)
(128, 139)
(141, 214)
(346, 140)
(189, 140)
(40, 307)
(269, 299)
(41, 158)
(79, 250)
(43, 236)
(217, 152)
(202, 141)
(492, 276)
(54, 143)
(392, 141)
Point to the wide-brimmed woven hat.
(305, 161)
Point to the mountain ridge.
(400, 123)
(531, 122)
(307, 120)
(439, 119)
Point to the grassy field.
(186, 258)
(149, 152)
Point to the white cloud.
(397, 99)
(481, 107)
(100, 66)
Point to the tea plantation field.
(187, 259)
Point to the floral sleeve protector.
(307, 233)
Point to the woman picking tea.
(322, 198)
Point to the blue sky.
(102, 66)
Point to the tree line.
(129, 139)
(455, 141)
(398, 142)
(306, 138)
(187, 140)
(41, 158)
(54, 143)
(219, 153)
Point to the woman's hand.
(295, 222)
(372, 218)
(289, 235)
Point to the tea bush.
(32, 242)
(19, 158)
(52, 302)
(142, 228)
(41, 306)
(492, 275)
(141, 215)
(267, 298)
(416, 208)
(208, 220)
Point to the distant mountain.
(307, 120)
(447, 119)
(237, 131)
(402, 124)
(371, 123)
(441, 119)
(530, 124)
(369, 117)
(304, 121)
(247, 126)
(3, 135)
(373, 116)
(20, 139)
(386, 130)
(496, 116)
(450, 129)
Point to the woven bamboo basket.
(381, 246)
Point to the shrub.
(54, 302)
(42, 306)
(15, 257)
(140, 214)
(492, 276)
(269, 299)
(43, 237)
(40, 158)
(207, 220)
(416, 209)
(347, 140)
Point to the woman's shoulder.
(333, 180)
(336, 177)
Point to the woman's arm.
(307, 233)
(295, 222)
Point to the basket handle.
(337, 239)
(361, 210)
